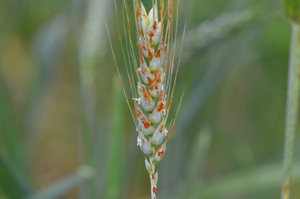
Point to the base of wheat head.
(151, 78)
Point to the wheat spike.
(154, 76)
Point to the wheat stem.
(153, 186)
(291, 109)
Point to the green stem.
(291, 109)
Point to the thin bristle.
(131, 80)
(130, 40)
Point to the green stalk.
(291, 109)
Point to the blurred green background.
(65, 129)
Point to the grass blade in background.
(197, 160)
(250, 181)
(293, 11)
(115, 162)
(90, 50)
(63, 186)
(12, 182)
(47, 48)
(8, 128)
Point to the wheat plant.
(153, 85)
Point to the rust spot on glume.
(154, 25)
(137, 12)
(155, 190)
(160, 106)
(149, 80)
(151, 34)
(152, 176)
(160, 153)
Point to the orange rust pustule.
(140, 51)
(160, 153)
(150, 34)
(154, 25)
(149, 52)
(160, 107)
(137, 12)
(138, 112)
(171, 7)
(141, 58)
(152, 176)
(151, 87)
(158, 79)
(155, 190)
(145, 123)
(157, 76)
(157, 54)
(142, 30)
(160, 96)
(150, 80)
(167, 63)
(146, 94)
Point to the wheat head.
(152, 86)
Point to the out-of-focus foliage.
(292, 8)
(58, 106)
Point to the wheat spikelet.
(152, 87)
